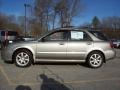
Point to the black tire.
(95, 59)
(119, 46)
(23, 58)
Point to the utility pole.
(25, 28)
(25, 5)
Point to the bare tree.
(111, 23)
(111, 26)
(42, 12)
(35, 29)
(67, 10)
(52, 12)
(9, 22)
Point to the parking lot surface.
(61, 76)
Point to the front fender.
(33, 50)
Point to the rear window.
(99, 35)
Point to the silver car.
(62, 45)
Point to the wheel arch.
(23, 48)
(96, 51)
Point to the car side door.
(52, 46)
(78, 45)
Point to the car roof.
(67, 28)
(74, 28)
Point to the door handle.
(89, 43)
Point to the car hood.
(22, 44)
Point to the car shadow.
(68, 64)
(22, 87)
(84, 65)
(47, 84)
(51, 84)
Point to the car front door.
(78, 45)
(52, 46)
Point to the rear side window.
(99, 35)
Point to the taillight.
(111, 45)
(6, 35)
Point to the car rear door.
(78, 45)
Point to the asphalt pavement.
(61, 76)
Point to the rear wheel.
(95, 59)
(23, 58)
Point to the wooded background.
(45, 15)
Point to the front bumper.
(6, 55)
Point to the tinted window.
(9, 33)
(2, 33)
(57, 36)
(99, 35)
(12, 33)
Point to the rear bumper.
(6, 55)
(110, 54)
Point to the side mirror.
(42, 40)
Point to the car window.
(56, 36)
(9, 33)
(99, 35)
(79, 36)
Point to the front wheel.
(23, 58)
(95, 59)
